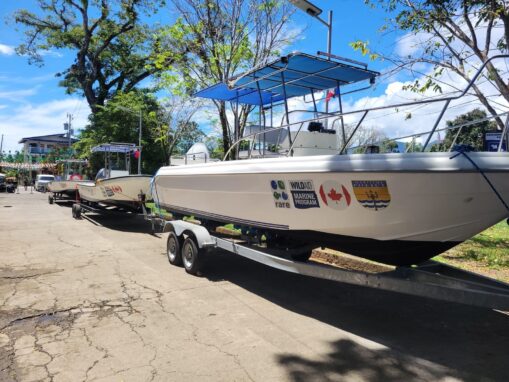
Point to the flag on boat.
(331, 93)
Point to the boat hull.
(66, 186)
(394, 208)
(122, 191)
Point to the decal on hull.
(372, 194)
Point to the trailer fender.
(201, 234)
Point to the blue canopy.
(290, 76)
(114, 148)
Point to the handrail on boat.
(447, 101)
(416, 135)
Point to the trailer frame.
(188, 244)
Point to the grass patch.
(157, 211)
(490, 248)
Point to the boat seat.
(317, 127)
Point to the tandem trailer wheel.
(192, 256)
(173, 249)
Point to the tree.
(15, 157)
(222, 37)
(471, 135)
(179, 132)
(456, 37)
(113, 48)
(115, 123)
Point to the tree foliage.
(113, 48)
(471, 134)
(178, 132)
(456, 36)
(118, 121)
(214, 39)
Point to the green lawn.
(490, 248)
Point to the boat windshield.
(101, 174)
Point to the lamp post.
(139, 132)
(315, 12)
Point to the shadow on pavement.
(470, 342)
(124, 222)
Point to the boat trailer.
(54, 197)
(189, 244)
(82, 206)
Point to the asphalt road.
(96, 300)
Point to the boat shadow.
(422, 339)
(115, 220)
(123, 222)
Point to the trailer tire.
(50, 199)
(173, 249)
(192, 257)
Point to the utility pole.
(69, 128)
(313, 11)
(1, 147)
(139, 145)
(140, 116)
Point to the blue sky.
(32, 103)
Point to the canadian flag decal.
(335, 195)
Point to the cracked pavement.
(97, 300)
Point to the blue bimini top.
(295, 75)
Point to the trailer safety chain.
(462, 150)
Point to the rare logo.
(279, 194)
(372, 194)
(335, 195)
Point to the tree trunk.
(225, 127)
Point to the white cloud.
(9, 79)
(46, 118)
(6, 50)
(51, 53)
(411, 43)
(18, 95)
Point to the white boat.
(396, 208)
(116, 187)
(72, 175)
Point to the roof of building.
(51, 138)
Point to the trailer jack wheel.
(76, 211)
(192, 257)
(173, 249)
(50, 199)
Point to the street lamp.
(139, 136)
(315, 12)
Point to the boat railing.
(191, 157)
(364, 113)
(413, 137)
